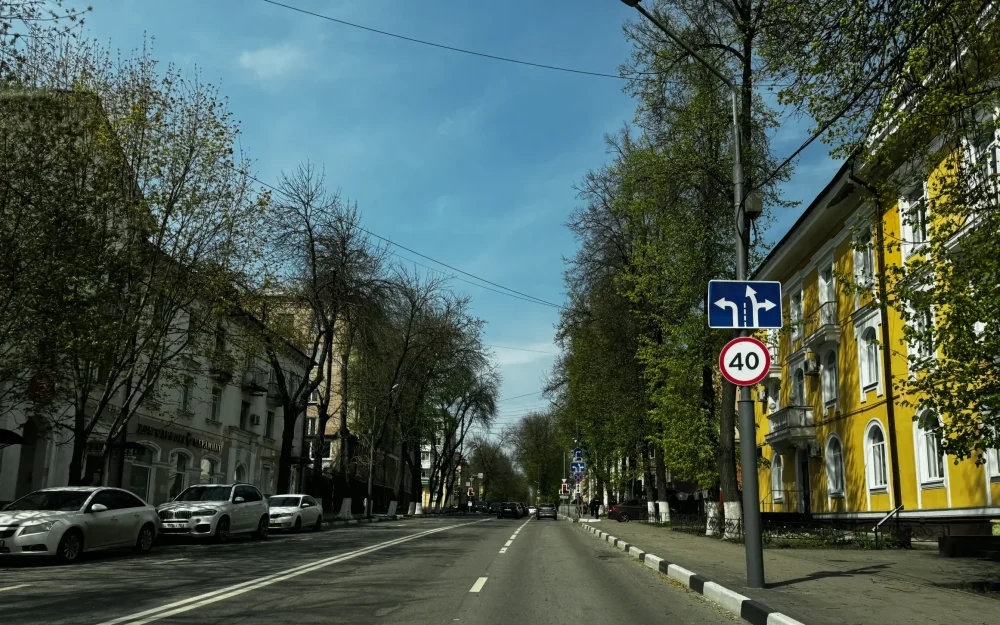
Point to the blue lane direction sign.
(744, 305)
(577, 467)
(578, 454)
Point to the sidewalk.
(835, 586)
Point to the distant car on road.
(546, 510)
(295, 512)
(495, 507)
(532, 509)
(508, 509)
(481, 506)
(216, 511)
(65, 522)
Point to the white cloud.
(273, 62)
(461, 122)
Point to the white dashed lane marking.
(15, 587)
(478, 585)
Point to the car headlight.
(37, 528)
(204, 513)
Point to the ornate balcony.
(255, 381)
(791, 427)
(823, 327)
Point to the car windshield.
(284, 502)
(546, 505)
(52, 500)
(205, 493)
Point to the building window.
(930, 456)
(269, 424)
(875, 450)
(799, 388)
(777, 486)
(796, 314)
(827, 292)
(829, 375)
(220, 340)
(314, 397)
(913, 218)
(241, 473)
(774, 398)
(923, 325)
(265, 478)
(245, 415)
(311, 426)
(865, 259)
(208, 471)
(993, 463)
(140, 473)
(178, 477)
(216, 403)
(869, 359)
(187, 393)
(835, 466)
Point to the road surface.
(463, 569)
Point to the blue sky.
(468, 160)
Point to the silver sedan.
(66, 522)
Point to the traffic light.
(565, 489)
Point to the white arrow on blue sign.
(578, 467)
(578, 453)
(744, 304)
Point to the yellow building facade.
(831, 421)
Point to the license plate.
(175, 525)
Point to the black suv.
(508, 509)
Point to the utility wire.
(450, 48)
(520, 396)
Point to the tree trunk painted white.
(664, 511)
(345, 509)
(419, 509)
(712, 521)
(651, 511)
(734, 518)
(412, 509)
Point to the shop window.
(208, 470)
(140, 474)
(178, 476)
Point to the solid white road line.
(191, 603)
(14, 587)
(479, 584)
(166, 561)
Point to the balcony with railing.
(822, 327)
(255, 381)
(791, 427)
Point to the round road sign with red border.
(744, 361)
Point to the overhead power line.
(520, 396)
(450, 48)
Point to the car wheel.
(262, 528)
(70, 547)
(144, 543)
(222, 530)
(318, 525)
(298, 525)
(623, 518)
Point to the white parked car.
(532, 510)
(215, 511)
(295, 512)
(66, 522)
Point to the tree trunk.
(416, 481)
(76, 477)
(647, 480)
(287, 438)
(345, 451)
(662, 503)
(727, 463)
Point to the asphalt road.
(432, 570)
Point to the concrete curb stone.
(751, 611)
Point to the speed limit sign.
(744, 361)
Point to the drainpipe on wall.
(890, 399)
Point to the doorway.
(802, 480)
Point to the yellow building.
(830, 418)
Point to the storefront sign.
(186, 438)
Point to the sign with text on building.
(744, 361)
(744, 304)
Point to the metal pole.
(745, 405)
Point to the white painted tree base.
(345, 509)
(419, 509)
(664, 511)
(734, 515)
(712, 521)
(412, 508)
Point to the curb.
(748, 609)
(335, 522)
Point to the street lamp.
(371, 454)
(748, 431)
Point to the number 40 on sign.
(744, 361)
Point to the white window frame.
(795, 304)
(974, 155)
(993, 465)
(926, 472)
(798, 393)
(777, 479)
(830, 400)
(871, 464)
(216, 413)
(833, 469)
(864, 259)
(865, 320)
(910, 243)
